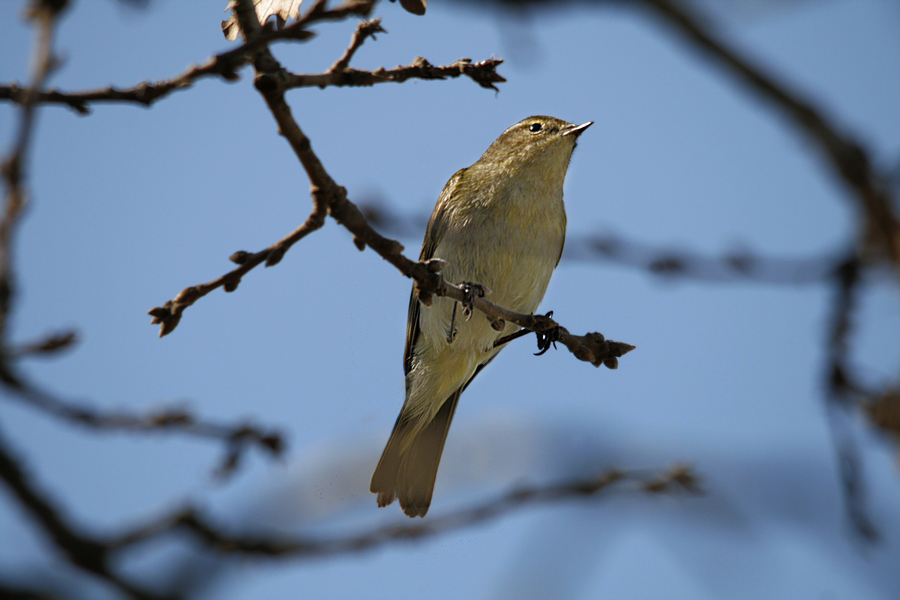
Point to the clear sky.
(131, 205)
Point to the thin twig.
(364, 30)
(168, 315)
(484, 73)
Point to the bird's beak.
(576, 130)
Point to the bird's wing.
(435, 227)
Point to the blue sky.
(130, 205)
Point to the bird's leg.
(471, 290)
(451, 333)
(547, 338)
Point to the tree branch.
(840, 397)
(226, 64)
(366, 29)
(13, 167)
(237, 437)
(675, 480)
(82, 550)
(328, 197)
(846, 156)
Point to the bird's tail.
(409, 463)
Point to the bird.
(498, 225)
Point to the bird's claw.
(547, 338)
(472, 291)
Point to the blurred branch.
(677, 479)
(847, 157)
(51, 344)
(13, 167)
(236, 437)
(879, 236)
(883, 411)
(744, 265)
(82, 551)
(13, 591)
(844, 395)
(85, 552)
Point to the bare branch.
(88, 553)
(51, 344)
(364, 30)
(168, 315)
(742, 265)
(846, 156)
(227, 63)
(839, 400)
(484, 73)
(82, 551)
(271, 82)
(237, 437)
(13, 167)
(675, 480)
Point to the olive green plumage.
(499, 223)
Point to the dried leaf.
(282, 10)
(416, 7)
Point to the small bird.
(501, 224)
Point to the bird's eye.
(535, 127)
